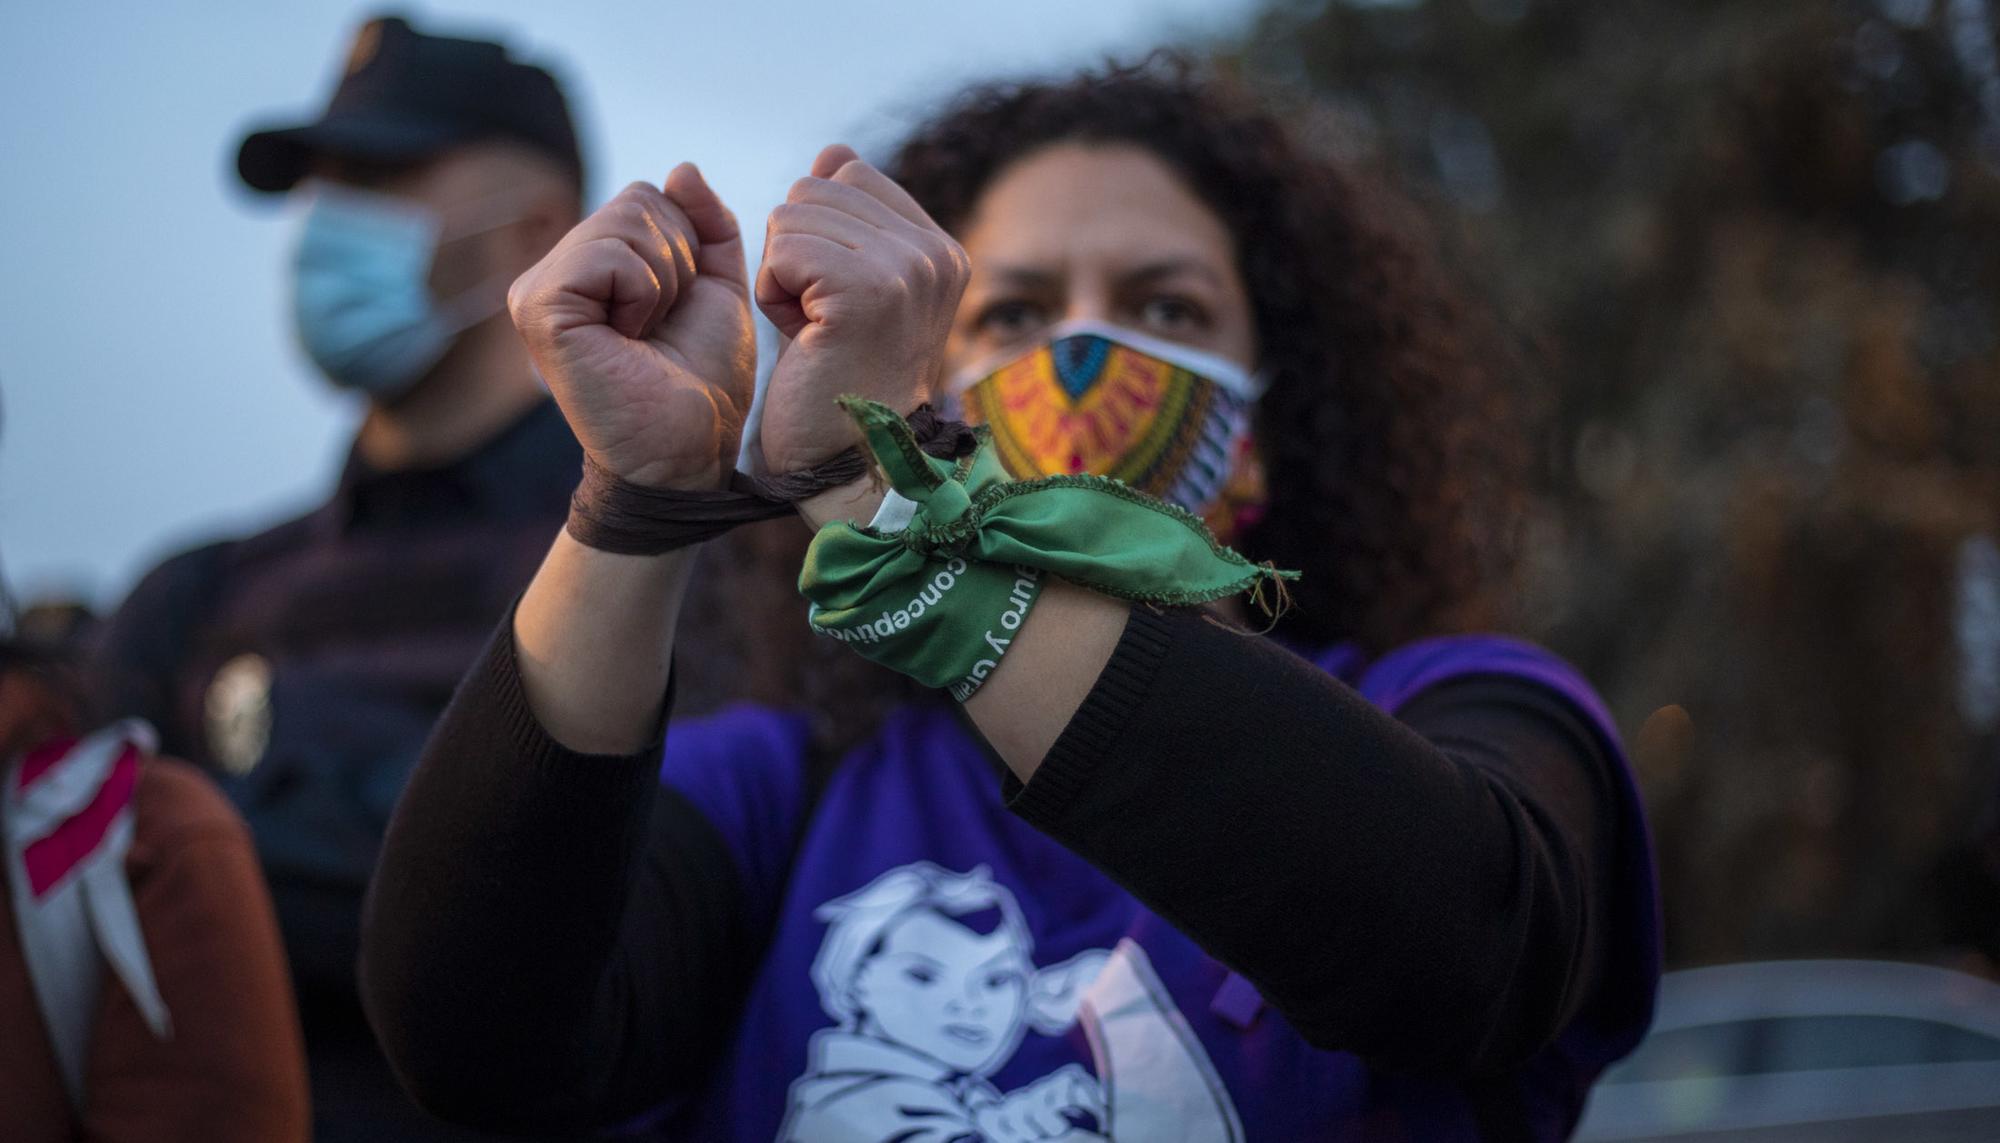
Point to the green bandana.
(941, 599)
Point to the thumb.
(719, 243)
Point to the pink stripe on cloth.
(49, 859)
(37, 761)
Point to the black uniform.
(304, 667)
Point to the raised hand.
(639, 320)
(864, 285)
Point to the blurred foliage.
(1755, 246)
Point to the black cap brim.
(276, 159)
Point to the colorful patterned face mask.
(1163, 418)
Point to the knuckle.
(632, 213)
(804, 189)
(883, 289)
(961, 262)
(680, 249)
(942, 245)
(926, 265)
(626, 201)
(526, 310)
(780, 247)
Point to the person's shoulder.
(175, 804)
(1396, 678)
(177, 576)
(180, 579)
(150, 624)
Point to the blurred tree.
(1757, 244)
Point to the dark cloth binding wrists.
(612, 514)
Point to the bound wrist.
(939, 594)
(854, 502)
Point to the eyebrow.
(1034, 278)
(1024, 277)
(1169, 267)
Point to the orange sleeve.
(234, 1068)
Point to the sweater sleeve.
(552, 941)
(1424, 892)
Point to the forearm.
(1421, 906)
(1052, 664)
(509, 860)
(594, 635)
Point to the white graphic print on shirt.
(930, 979)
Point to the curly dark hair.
(1394, 461)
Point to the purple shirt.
(940, 970)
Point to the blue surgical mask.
(361, 296)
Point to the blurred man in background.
(304, 665)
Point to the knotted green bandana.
(941, 599)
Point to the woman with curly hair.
(1148, 875)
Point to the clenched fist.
(864, 285)
(639, 320)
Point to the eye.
(1172, 314)
(995, 981)
(922, 974)
(1009, 318)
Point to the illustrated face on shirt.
(942, 988)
